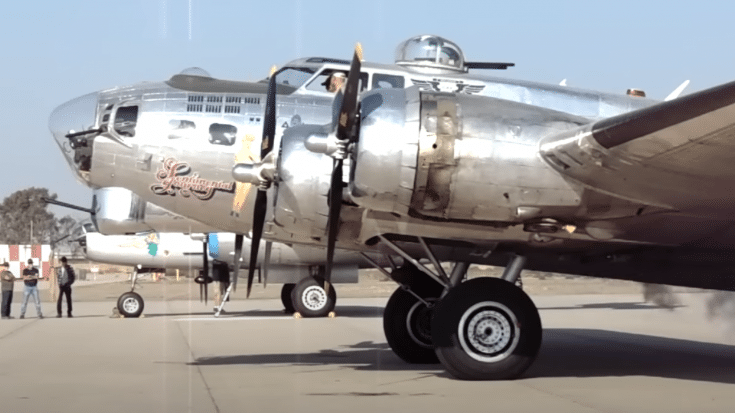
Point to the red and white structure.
(17, 256)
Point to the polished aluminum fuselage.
(449, 166)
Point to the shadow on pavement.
(614, 306)
(351, 311)
(564, 353)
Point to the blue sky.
(54, 51)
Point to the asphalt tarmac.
(601, 353)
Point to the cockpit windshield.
(430, 50)
(293, 76)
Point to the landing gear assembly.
(480, 329)
(130, 304)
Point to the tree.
(63, 231)
(24, 218)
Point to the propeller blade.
(269, 120)
(266, 262)
(348, 112)
(346, 130)
(261, 200)
(261, 205)
(335, 207)
(236, 263)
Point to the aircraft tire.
(407, 327)
(286, 297)
(130, 305)
(486, 329)
(311, 300)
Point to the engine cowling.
(436, 155)
(300, 205)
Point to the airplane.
(145, 239)
(293, 266)
(453, 166)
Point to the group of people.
(65, 277)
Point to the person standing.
(66, 277)
(7, 279)
(30, 279)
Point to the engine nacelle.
(120, 212)
(449, 156)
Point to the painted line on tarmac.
(244, 318)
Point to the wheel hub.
(488, 331)
(130, 305)
(314, 298)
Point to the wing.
(678, 154)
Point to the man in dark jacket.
(7, 279)
(30, 279)
(66, 277)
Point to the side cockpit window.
(382, 81)
(181, 129)
(320, 83)
(126, 118)
(222, 134)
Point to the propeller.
(261, 199)
(347, 127)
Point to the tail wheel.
(286, 297)
(310, 299)
(486, 329)
(130, 305)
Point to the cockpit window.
(125, 120)
(89, 227)
(293, 76)
(320, 82)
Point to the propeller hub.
(327, 144)
(261, 174)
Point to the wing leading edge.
(678, 154)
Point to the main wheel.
(407, 321)
(486, 329)
(407, 327)
(310, 299)
(286, 297)
(130, 304)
